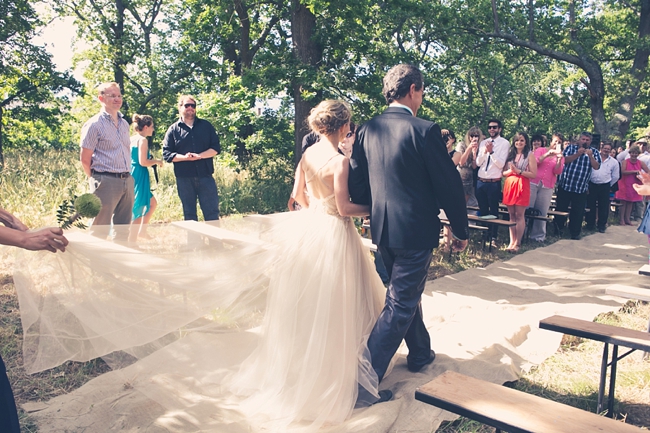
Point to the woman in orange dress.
(520, 167)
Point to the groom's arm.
(358, 181)
(446, 182)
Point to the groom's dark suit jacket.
(401, 167)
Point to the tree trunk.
(309, 54)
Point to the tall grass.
(34, 183)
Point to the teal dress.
(142, 199)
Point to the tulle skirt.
(323, 300)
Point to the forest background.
(539, 65)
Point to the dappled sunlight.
(620, 247)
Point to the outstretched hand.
(50, 239)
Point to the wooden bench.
(628, 292)
(551, 214)
(608, 334)
(474, 227)
(511, 410)
(496, 222)
(644, 270)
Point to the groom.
(401, 168)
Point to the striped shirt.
(111, 145)
(575, 176)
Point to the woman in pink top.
(549, 164)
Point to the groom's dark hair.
(398, 80)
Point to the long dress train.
(181, 306)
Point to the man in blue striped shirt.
(579, 161)
(106, 160)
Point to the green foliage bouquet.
(70, 212)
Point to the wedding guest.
(579, 160)
(467, 165)
(521, 166)
(599, 186)
(627, 194)
(345, 146)
(105, 158)
(491, 160)
(144, 203)
(15, 233)
(191, 143)
(449, 138)
(549, 165)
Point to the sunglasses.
(493, 127)
(189, 105)
(474, 135)
(349, 134)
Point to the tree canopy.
(539, 65)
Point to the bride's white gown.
(304, 276)
(324, 298)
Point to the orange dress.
(516, 188)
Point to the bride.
(324, 298)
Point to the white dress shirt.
(491, 165)
(609, 172)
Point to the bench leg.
(603, 374)
(612, 382)
(646, 355)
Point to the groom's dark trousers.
(401, 168)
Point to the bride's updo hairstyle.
(329, 116)
(141, 120)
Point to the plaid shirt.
(575, 176)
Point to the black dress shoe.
(601, 230)
(414, 368)
(575, 237)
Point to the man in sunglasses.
(190, 144)
(490, 159)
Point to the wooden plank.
(644, 270)
(217, 232)
(494, 221)
(512, 410)
(629, 292)
(598, 331)
(471, 226)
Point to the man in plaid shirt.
(579, 160)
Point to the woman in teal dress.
(144, 203)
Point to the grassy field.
(33, 185)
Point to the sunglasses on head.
(188, 105)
